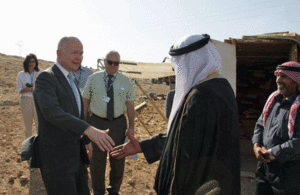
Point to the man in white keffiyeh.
(192, 68)
(202, 141)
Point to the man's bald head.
(63, 42)
(70, 53)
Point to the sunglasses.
(113, 63)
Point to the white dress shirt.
(65, 73)
(24, 78)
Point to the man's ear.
(58, 52)
(297, 86)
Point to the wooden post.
(151, 101)
(294, 52)
(98, 64)
(233, 42)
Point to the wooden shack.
(256, 59)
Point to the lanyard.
(106, 81)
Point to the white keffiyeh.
(192, 68)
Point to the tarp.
(147, 70)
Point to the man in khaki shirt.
(108, 95)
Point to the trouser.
(117, 129)
(29, 114)
(59, 181)
(278, 178)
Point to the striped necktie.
(75, 91)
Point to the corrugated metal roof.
(278, 36)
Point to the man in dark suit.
(64, 138)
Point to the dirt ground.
(17, 178)
(138, 177)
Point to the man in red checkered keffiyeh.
(283, 71)
(276, 136)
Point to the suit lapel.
(64, 82)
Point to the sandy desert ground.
(17, 178)
(138, 177)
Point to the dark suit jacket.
(60, 128)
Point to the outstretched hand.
(100, 138)
(129, 148)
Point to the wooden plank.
(139, 106)
(132, 72)
(151, 101)
(100, 64)
(262, 57)
(128, 63)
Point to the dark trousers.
(278, 178)
(117, 130)
(59, 181)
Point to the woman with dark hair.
(25, 82)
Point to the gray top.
(275, 135)
(81, 76)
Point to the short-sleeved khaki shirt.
(95, 91)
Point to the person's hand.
(130, 148)
(100, 138)
(265, 152)
(30, 89)
(211, 187)
(26, 90)
(89, 150)
(129, 131)
(261, 153)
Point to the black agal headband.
(191, 47)
(290, 68)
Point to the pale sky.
(142, 31)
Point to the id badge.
(106, 99)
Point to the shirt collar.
(62, 69)
(107, 73)
(79, 69)
(291, 98)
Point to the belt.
(106, 118)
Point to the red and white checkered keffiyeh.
(271, 100)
